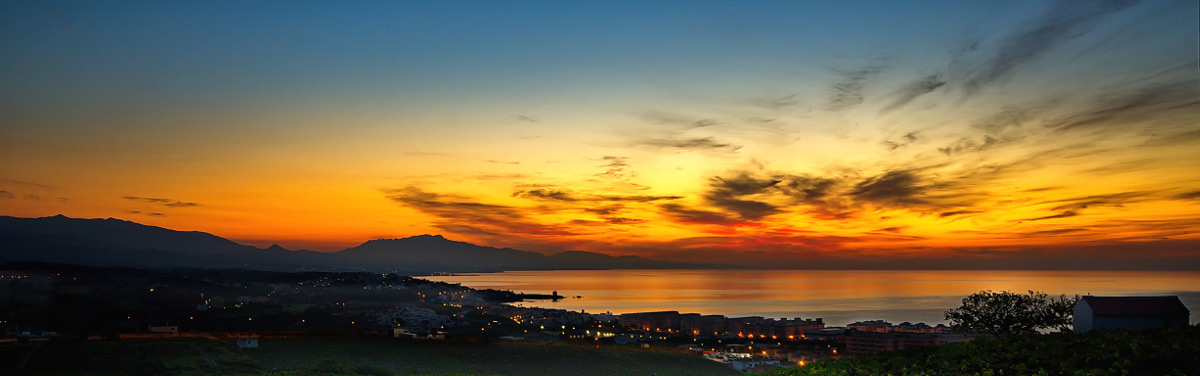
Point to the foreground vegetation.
(1145, 352)
(348, 356)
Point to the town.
(42, 302)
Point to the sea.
(839, 297)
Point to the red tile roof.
(1136, 305)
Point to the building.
(696, 324)
(162, 327)
(661, 321)
(704, 325)
(1129, 312)
(833, 333)
(247, 343)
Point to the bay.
(838, 296)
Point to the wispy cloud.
(1067, 20)
(543, 194)
(462, 215)
(1065, 214)
(162, 201)
(26, 184)
(730, 194)
(683, 214)
(1121, 108)
(693, 143)
(848, 92)
(909, 92)
(677, 121)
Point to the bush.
(372, 370)
(1169, 351)
(329, 365)
(1006, 313)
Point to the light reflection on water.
(838, 296)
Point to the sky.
(787, 134)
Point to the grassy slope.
(159, 357)
(1146, 352)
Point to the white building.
(247, 343)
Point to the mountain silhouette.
(118, 243)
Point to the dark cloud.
(156, 214)
(614, 167)
(1118, 110)
(1054, 232)
(958, 212)
(1113, 200)
(503, 162)
(1066, 214)
(623, 221)
(545, 194)
(848, 92)
(967, 145)
(694, 143)
(897, 188)
(7, 195)
(26, 184)
(460, 215)
(162, 201)
(680, 213)
(1193, 195)
(134, 211)
(606, 210)
(727, 194)
(567, 196)
(525, 118)
(1042, 189)
(682, 122)
(806, 188)
(909, 92)
(918, 191)
(750, 197)
(32, 197)
(905, 140)
(64, 199)
(1067, 20)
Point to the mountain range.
(114, 242)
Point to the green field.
(371, 356)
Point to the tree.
(1006, 313)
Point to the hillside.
(347, 356)
(118, 243)
(1145, 352)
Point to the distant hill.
(118, 243)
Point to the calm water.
(838, 296)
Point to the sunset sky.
(753, 132)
